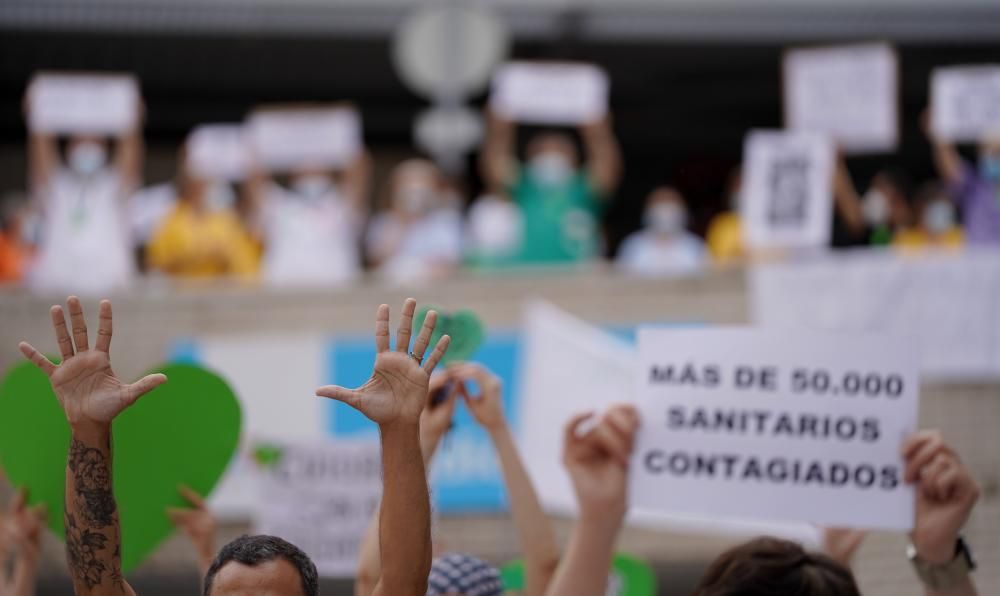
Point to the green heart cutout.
(183, 432)
(464, 327)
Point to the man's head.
(768, 566)
(552, 157)
(414, 187)
(262, 566)
(463, 575)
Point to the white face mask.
(551, 168)
(219, 196)
(875, 207)
(312, 186)
(87, 157)
(939, 216)
(415, 199)
(665, 218)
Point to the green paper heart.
(183, 432)
(464, 327)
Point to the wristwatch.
(946, 575)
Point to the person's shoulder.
(633, 243)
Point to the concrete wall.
(149, 317)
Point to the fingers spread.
(405, 326)
(103, 342)
(438, 353)
(37, 358)
(79, 324)
(144, 386)
(382, 328)
(62, 333)
(424, 337)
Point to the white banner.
(848, 92)
(786, 201)
(99, 104)
(320, 496)
(775, 426)
(218, 152)
(550, 93)
(944, 304)
(965, 102)
(297, 137)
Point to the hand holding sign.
(965, 102)
(598, 461)
(946, 493)
(486, 405)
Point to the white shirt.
(86, 246)
(649, 254)
(310, 241)
(434, 239)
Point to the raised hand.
(946, 493)
(436, 419)
(841, 544)
(397, 389)
(84, 383)
(486, 406)
(198, 524)
(598, 460)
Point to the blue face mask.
(989, 167)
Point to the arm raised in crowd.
(91, 396)
(129, 153)
(845, 197)
(435, 421)
(603, 155)
(947, 161)
(597, 462)
(394, 398)
(946, 494)
(498, 161)
(22, 528)
(198, 524)
(535, 533)
(357, 181)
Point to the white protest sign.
(100, 104)
(550, 93)
(218, 152)
(848, 92)
(965, 102)
(758, 424)
(786, 201)
(320, 496)
(288, 138)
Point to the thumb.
(144, 386)
(178, 516)
(341, 394)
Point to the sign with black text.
(753, 424)
(965, 102)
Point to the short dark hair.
(769, 566)
(252, 550)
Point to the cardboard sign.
(764, 425)
(320, 496)
(218, 152)
(849, 92)
(99, 104)
(289, 138)
(965, 102)
(786, 200)
(550, 93)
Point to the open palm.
(87, 388)
(397, 389)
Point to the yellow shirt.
(205, 244)
(916, 239)
(725, 238)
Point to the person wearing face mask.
(419, 234)
(937, 225)
(203, 236)
(975, 190)
(85, 241)
(560, 199)
(311, 228)
(874, 218)
(663, 246)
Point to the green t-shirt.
(560, 222)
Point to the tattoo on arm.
(92, 518)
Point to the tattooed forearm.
(92, 539)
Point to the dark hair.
(773, 567)
(252, 550)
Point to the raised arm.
(128, 159)
(947, 161)
(43, 160)
(435, 421)
(603, 155)
(946, 494)
(394, 398)
(91, 396)
(498, 162)
(357, 181)
(846, 199)
(597, 463)
(534, 530)
(23, 528)
(198, 524)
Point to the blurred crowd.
(314, 224)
